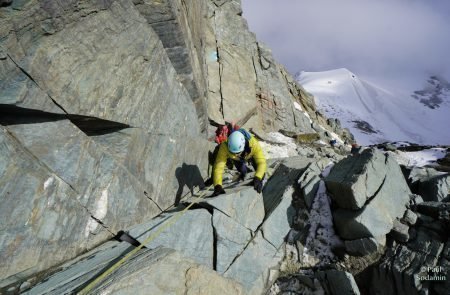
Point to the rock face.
(421, 265)
(371, 193)
(73, 81)
(233, 236)
(99, 73)
(239, 71)
(179, 26)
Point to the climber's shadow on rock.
(190, 176)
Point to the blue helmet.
(236, 142)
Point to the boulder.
(356, 179)
(191, 234)
(431, 184)
(410, 217)
(387, 200)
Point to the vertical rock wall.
(244, 79)
(98, 129)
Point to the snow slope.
(376, 115)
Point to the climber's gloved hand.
(257, 184)
(218, 190)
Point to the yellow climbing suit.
(255, 152)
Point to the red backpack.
(223, 131)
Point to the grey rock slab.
(338, 282)
(287, 173)
(242, 204)
(18, 90)
(251, 268)
(118, 71)
(191, 234)
(356, 179)
(277, 225)
(105, 187)
(168, 166)
(76, 272)
(231, 239)
(173, 274)
(41, 219)
(161, 270)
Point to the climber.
(222, 133)
(241, 147)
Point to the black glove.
(257, 184)
(218, 190)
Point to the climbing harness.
(169, 223)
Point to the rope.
(115, 266)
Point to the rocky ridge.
(105, 118)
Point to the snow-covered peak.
(374, 114)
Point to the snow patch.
(307, 115)
(298, 106)
(101, 210)
(49, 182)
(321, 237)
(286, 148)
(419, 158)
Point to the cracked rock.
(346, 183)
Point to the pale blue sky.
(391, 38)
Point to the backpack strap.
(246, 134)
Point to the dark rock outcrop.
(421, 265)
